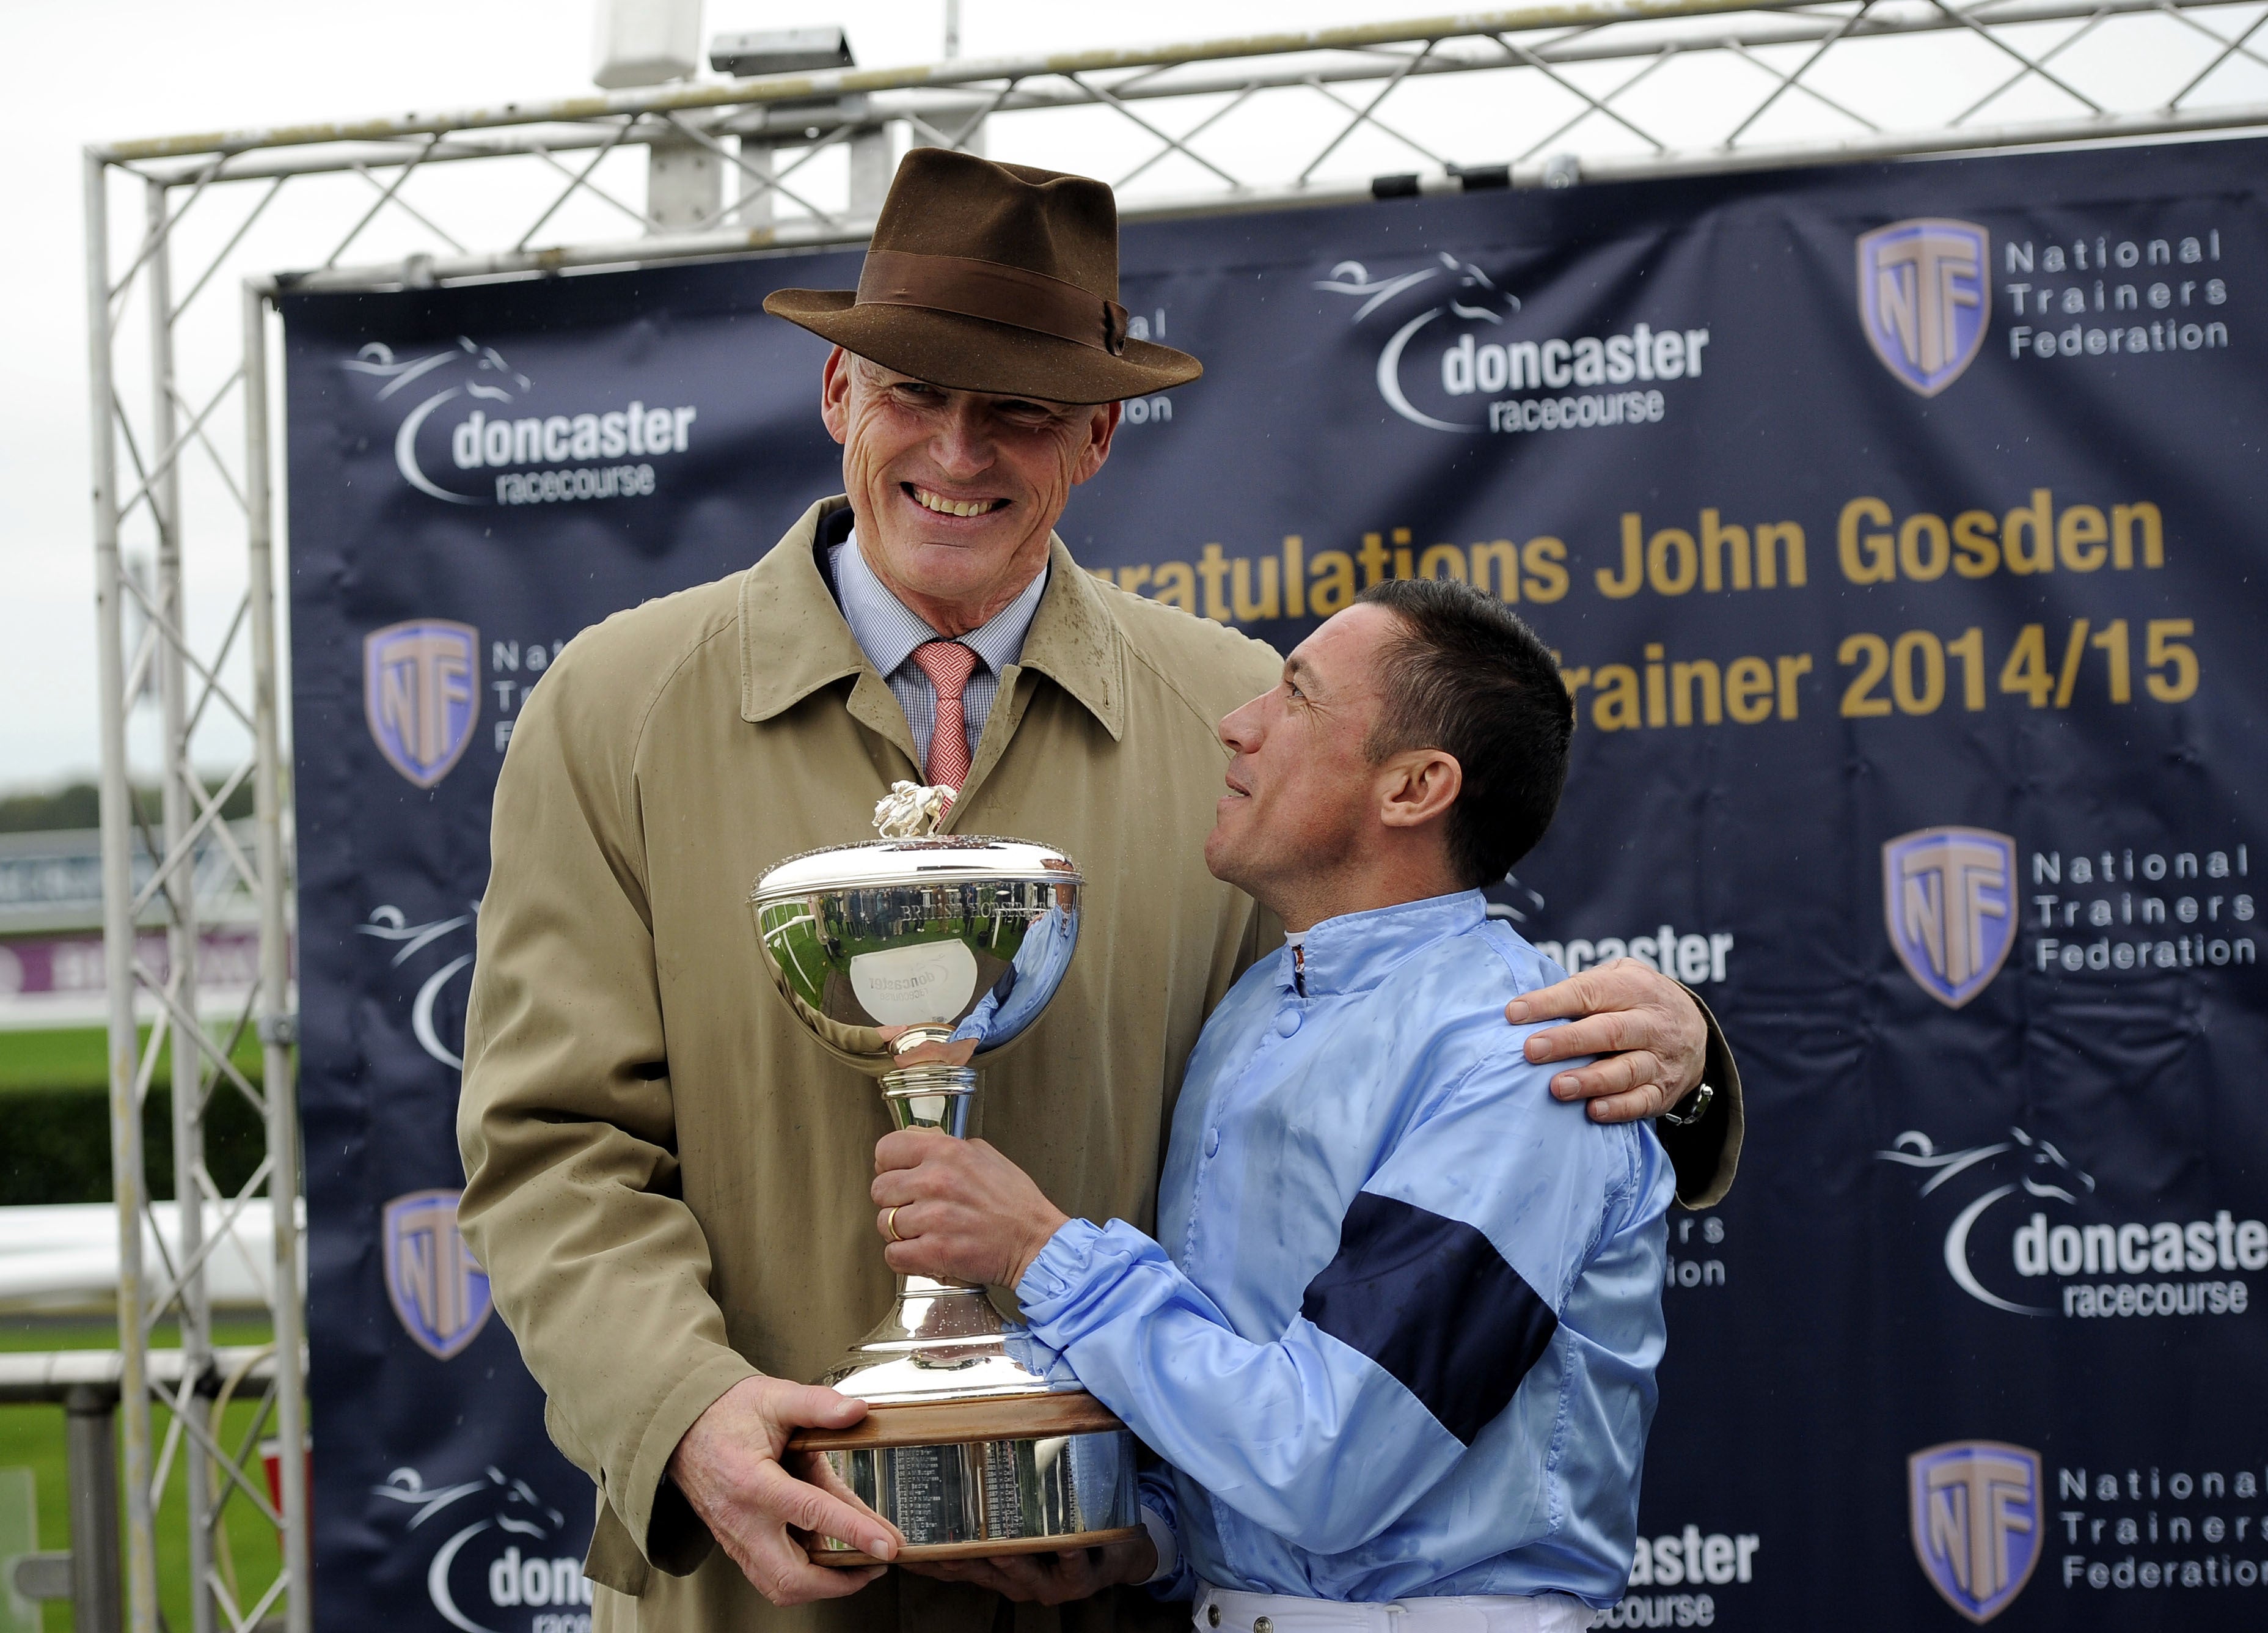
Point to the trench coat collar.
(794, 640)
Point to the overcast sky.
(86, 71)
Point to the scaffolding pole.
(279, 1023)
(156, 868)
(118, 927)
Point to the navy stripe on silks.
(1433, 1302)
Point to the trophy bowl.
(914, 956)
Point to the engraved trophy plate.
(913, 956)
(996, 1496)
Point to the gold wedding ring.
(890, 1224)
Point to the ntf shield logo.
(1974, 1506)
(421, 694)
(436, 1286)
(1922, 298)
(1948, 900)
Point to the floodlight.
(645, 42)
(780, 51)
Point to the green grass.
(57, 1147)
(54, 1102)
(79, 1057)
(79, 805)
(31, 1436)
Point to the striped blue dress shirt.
(888, 631)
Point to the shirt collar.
(888, 630)
(1357, 950)
(794, 639)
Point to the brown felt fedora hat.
(992, 277)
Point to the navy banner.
(1900, 530)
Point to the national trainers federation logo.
(1947, 901)
(1922, 298)
(1974, 1508)
(435, 1284)
(421, 694)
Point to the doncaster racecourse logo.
(480, 374)
(2040, 1172)
(2060, 1239)
(436, 1286)
(1974, 1510)
(1947, 902)
(1470, 296)
(1436, 362)
(389, 923)
(1922, 298)
(536, 457)
(496, 1549)
(421, 694)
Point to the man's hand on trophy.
(958, 1207)
(733, 1468)
(1051, 1578)
(1645, 1028)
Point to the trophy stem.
(940, 1338)
(933, 1286)
(931, 1095)
(939, 1097)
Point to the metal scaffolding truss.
(1538, 96)
(1544, 96)
(150, 864)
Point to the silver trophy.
(913, 956)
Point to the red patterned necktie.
(949, 664)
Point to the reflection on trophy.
(913, 956)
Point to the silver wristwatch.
(1691, 1109)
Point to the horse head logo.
(2022, 1163)
(478, 371)
(540, 1567)
(1463, 292)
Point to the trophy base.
(851, 1559)
(975, 1478)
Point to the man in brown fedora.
(666, 1177)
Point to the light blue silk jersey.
(1401, 1337)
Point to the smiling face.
(956, 492)
(1302, 810)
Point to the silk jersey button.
(1213, 1141)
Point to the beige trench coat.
(666, 1177)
